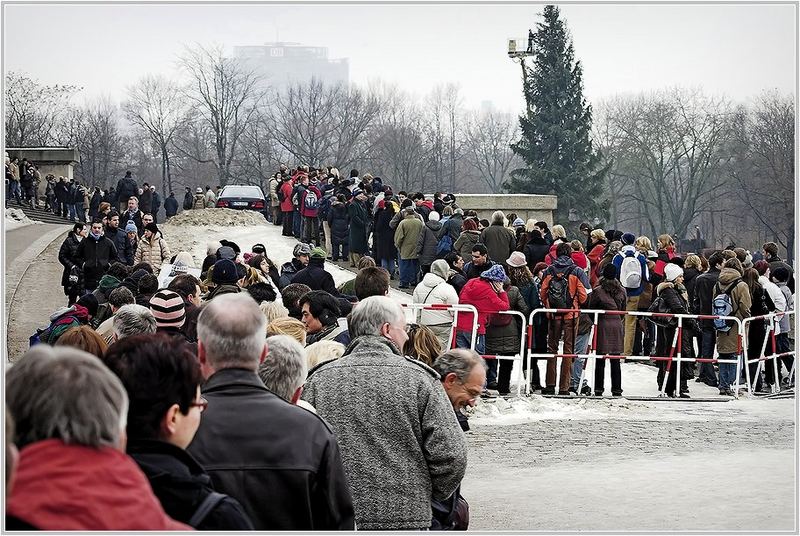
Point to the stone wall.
(537, 207)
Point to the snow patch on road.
(15, 219)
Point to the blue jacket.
(617, 261)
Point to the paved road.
(632, 475)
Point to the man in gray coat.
(401, 443)
(499, 240)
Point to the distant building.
(283, 64)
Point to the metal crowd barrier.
(770, 335)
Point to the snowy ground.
(15, 219)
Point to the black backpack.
(558, 296)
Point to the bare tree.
(259, 158)
(488, 139)
(33, 111)
(95, 130)
(155, 106)
(225, 96)
(764, 166)
(672, 149)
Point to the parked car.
(242, 197)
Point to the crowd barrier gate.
(770, 335)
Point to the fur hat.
(516, 260)
(672, 271)
(168, 308)
(495, 273)
(225, 272)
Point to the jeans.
(71, 211)
(389, 265)
(463, 339)
(15, 191)
(80, 212)
(727, 371)
(708, 339)
(297, 223)
(408, 272)
(581, 345)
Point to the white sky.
(738, 50)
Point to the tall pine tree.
(555, 143)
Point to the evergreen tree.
(555, 143)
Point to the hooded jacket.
(451, 227)
(406, 237)
(280, 461)
(401, 443)
(480, 293)
(339, 221)
(154, 252)
(465, 241)
(617, 261)
(71, 487)
(120, 239)
(383, 234)
(728, 343)
(170, 206)
(435, 289)
(316, 277)
(181, 485)
(576, 285)
(68, 256)
(97, 255)
(198, 201)
(427, 242)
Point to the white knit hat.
(672, 271)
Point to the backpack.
(630, 271)
(722, 305)
(325, 206)
(659, 306)
(558, 291)
(209, 503)
(444, 246)
(311, 201)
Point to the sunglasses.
(202, 404)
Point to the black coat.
(171, 206)
(458, 281)
(127, 187)
(690, 276)
(288, 271)
(136, 217)
(68, 257)
(383, 236)
(703, 294)
(94, 203)
(96, 256)
(188, 200)
(62, 191)
(535, 252)
(146, 201)
(125, 250)
(280, 461)
(339, 222)
(181, 485)
(315, 276)
(676, 304)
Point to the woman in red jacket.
(486, 294)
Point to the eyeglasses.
(202, 404)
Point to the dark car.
(242, 197)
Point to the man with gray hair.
(279, 461)
(133, 319)
(499, 240)
(284, 369)
(401, 443)
(463, 373)
(70, 430)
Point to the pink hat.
(168, 308)
(516, 260)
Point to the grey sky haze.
(735, 49)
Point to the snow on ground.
(15, 219)
(638, 379)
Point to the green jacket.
(406, 237)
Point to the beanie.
(226, 252)
(628, 239)
(168, 308)
(130, 227)
(318, 253)
(302, 250)
(609, 271)
(433, 216)
(152, 227)
(225, 272)
(672, 271)
(199, 191)
(495, 273)
(90, 302)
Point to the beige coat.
(154, 252)
(728, 343)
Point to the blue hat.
(131, 227)
(495, 273)
(628, 239)
(225, 272)
(356, 192)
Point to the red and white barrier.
(455, 308)
(675, 348)
(772, 320)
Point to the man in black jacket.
(162, 378)
(703, 298)
(118, 236)
(133, 214)
(126, 187)
(96, 252)
(280, 461)
(171, 205)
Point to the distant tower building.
(283, 64)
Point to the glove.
(73, 279)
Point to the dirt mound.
(218, 217)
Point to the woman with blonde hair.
(422, 344)
(559, 236)
(643, 244)
(288, 326)
(273, 310)
(322, 352)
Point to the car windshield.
(242, 191)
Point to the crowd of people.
(263, 396)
